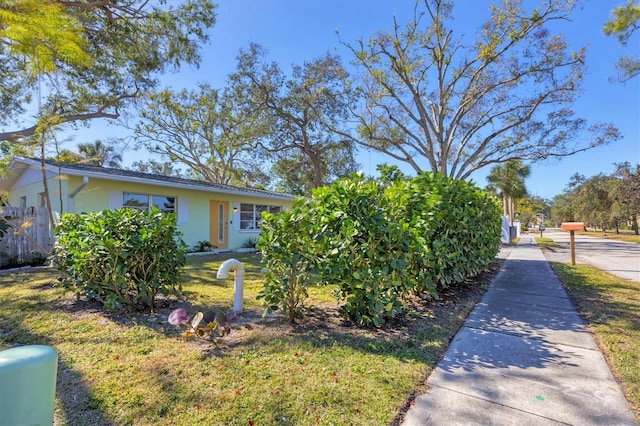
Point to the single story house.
(225, 216)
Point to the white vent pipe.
(238, 281)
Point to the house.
(225, 216)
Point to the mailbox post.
(573, 227)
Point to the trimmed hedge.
(379, 243)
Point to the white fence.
(28, 236)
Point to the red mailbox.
(573, 226)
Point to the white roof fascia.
(154, 182)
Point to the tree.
(594, 201)
(508, 181)
(307, 115)
(626, 193)
(99, 154)
(623, 24)
(206, 130)
(529, 207)
(90, 59)
(157, 168)
(442, 102)
(42, 32)
(67, 156)
(564, 207)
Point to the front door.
(218, 222)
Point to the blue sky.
(295, 31)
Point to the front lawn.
(611, 235)
(137, 369)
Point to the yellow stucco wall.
(195, 225)
(97, 194)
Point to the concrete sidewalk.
(523, 357)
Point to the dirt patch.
(320, 317)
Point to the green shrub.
(120, 257)
(249, 242)
(378, 242)
(289, 255)
(202, 246)
(362, 251)
(458, 222)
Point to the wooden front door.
(218, 223)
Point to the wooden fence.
(28, 236)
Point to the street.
(616, 257)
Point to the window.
(250, 215)
(23, 201)
(145, 201)
(42, 201)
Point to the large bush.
(458, 223)
(380, 243)
(120, 257)
(289, 255)
(362, 251)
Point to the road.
(616, 257)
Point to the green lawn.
(611, 308)
(137, 369)
(623, 236)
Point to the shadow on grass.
(75, 403)
(422, 337)
(595, 302)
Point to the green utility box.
(28, 385)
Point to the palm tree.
(100, 154)
(508, 180)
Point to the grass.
(136, 369)
(547, 243)
(628, 237)
(611, 308)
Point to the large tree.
(89, 59)
(207, 130)
(307, 113)
(155, 167)
(442, 101)
(623, 24)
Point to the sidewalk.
(523, 357)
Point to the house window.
(145, 201)
(250, 215)
(23, 201)
(42, 202)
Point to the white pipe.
(238, 281)
(85, 181)
(71, 206)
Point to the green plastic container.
(28, 385)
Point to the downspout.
(76, 190)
